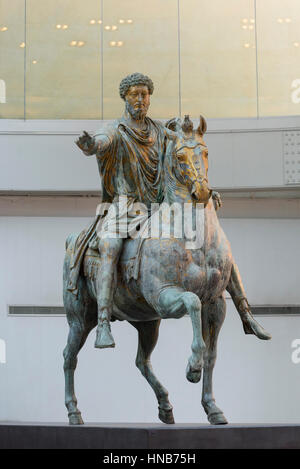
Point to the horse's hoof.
(166, 416)
(217, 419)
(104, 339)
(193, 376)
(75, 418)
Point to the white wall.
(54, 163)
(255, 381)
(42, 155)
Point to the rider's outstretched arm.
(93, 145)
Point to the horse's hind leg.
(148, 335)
(76, 339)
(212, 319)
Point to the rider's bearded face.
(137, 101)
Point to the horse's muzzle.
(200, 192)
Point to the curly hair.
(133, 80)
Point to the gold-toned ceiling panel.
(278, 38)
(63, 59)
(12, 33)
(218, 76)
(218, 58)
(141, 37)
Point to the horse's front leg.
(148, 335)
(175, 303)
(213, 318)
(76, 339)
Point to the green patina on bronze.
(144, 281)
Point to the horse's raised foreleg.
(76, 339)
(213, 317)
(148, 335)
(175, 303)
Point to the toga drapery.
(131, 166)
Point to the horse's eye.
(181, 157)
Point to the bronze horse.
(172, 281)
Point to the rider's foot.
(104, 338)
(252, 327)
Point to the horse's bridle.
(200, 179)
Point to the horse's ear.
(202, 128)
(187, 125)
(172, 124)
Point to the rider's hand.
(216, 199)
(86, 143)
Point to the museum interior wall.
(32, 378)
(266, 156)
(237, 64)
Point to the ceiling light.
(22, 45)
(58, 26)
(296, 44)
(99, 21)
(65, 26)
(252, 20)
(93, 22)
(120, 43)
(34, 62)
(247, 45)
(80, 43)
(5, 28)
(121, 21)
(251, 26)
(245, 26)
(73, 43)
(129, 21)
(107, 28)
(112, 43)
(114, 27)
(279, 20)
(245, 20)
(288, 20)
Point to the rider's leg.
(109, 249)
(238, 295)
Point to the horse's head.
(189, 158)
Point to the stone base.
(15, 435)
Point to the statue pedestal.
(147, 436)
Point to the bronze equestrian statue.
(110, 274)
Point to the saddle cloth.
(124, 218)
